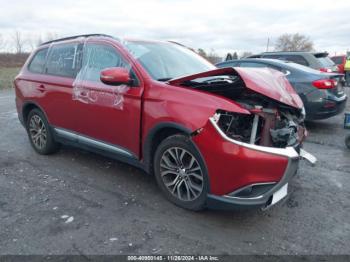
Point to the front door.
(109, 114)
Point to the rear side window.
(298, 59)
(38, 62)
(62, 60)
(251, 64)
(272, 56)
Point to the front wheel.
(181, 173)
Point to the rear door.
(53, 84)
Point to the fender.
(25, 105)
(150, 138)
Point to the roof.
(74, 37)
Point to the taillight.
(324, 84)
(326, 70)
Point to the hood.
(265, 81)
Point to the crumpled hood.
(265, 81)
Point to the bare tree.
(18, 42)
(39, 40)
(33, 41)
(202, 53)
(50, 36)
(294, 42)
(246, 54)
(213, 57)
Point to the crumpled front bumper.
(254, 170)
(264, 200)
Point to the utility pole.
(267, 45)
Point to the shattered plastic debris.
(69, 218)
(112, 239)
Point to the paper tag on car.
(278, 195)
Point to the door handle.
(41, 88)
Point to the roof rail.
(73, 37)
(285, 52)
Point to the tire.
(174, 158)
(347, 141)
(40, 134)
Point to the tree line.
(20, 43)
(285, 42)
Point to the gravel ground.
(75, 202)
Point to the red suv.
(340, 61)
(220, 138)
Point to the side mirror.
(115, 76)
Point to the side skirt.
(96, 146)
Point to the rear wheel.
(40, 134)
(181, 173)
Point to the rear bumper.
(325, 108)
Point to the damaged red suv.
(218, 138)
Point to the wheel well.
(26, 109)
(154, 141)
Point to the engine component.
(265, 127)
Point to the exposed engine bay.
(271, 123)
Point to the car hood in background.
(265, 81)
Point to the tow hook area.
(307, 156)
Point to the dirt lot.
(77, 202)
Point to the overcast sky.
(220, 25)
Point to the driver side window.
(97, 57)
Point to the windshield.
(164, 61)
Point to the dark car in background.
(319, 61)
(322, 93)
(340, 61)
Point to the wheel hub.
(181, 174)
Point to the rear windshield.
(338, 60)
(325, 61)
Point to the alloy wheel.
(38, 132)
(181, 174)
